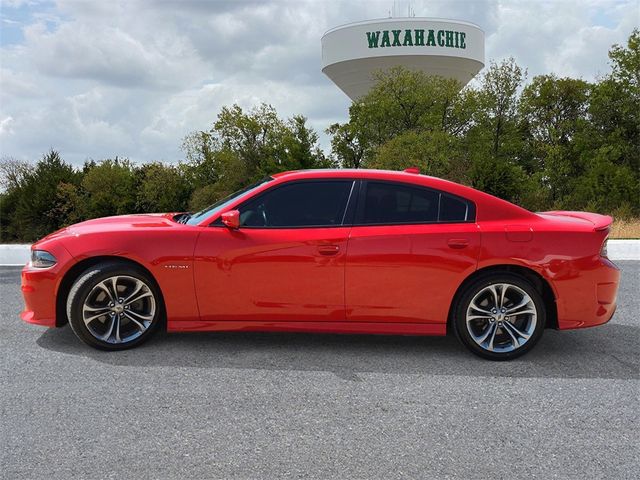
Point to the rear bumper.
(589, 298)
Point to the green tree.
(606, 187)
(162, 189)
(432, 152)
(496, 117)
(610, 144)
(346, 145)
(406, 100)
(13, 176)
(502, 178)
(615, 104)
(405, 120)
(34, 215)
(493, 142)
(243, 147)
(301, 146)
(401, 101)
(200, 166)
(625, 63)
(255, 137)
(554, 109)
(110, 188)
(67, 205)
(553, 117)
(13, 173)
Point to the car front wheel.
(113, 306)
(500, 316)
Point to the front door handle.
(458, 242)
(328, 249)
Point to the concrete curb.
(624, 249)
(18, 255)
(14, 255)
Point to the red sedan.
(343, 251)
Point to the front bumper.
(40, 286)
(39, 291)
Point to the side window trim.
(296, 182)
(358, 220)
(352, 202)
(362, 196)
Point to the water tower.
(352, 53)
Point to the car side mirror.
(231, 219)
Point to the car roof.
(364, 173)
(341, 173)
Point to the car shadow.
(608, 352)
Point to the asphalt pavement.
(258, 405)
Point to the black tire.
(479, 287)
(87, 284)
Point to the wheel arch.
(76, 270)
(538, 281)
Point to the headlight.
(42, 259)
(603, 250)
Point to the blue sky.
(15, 16)
(95, 79)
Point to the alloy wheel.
(119, 309)
(501, 318)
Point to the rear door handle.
(328, 249)
(458, 242)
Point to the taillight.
(603, 250)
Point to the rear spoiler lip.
(599, 222)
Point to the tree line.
(550, 143)
(241, 148)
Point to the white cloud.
(560, 36)
(112, 55)
(5, 126)
(96, 79)
(17, 85)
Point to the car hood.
(117, 223)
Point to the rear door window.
(388, 203)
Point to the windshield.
(220, 204)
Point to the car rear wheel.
(500, 316)
(113, 306)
